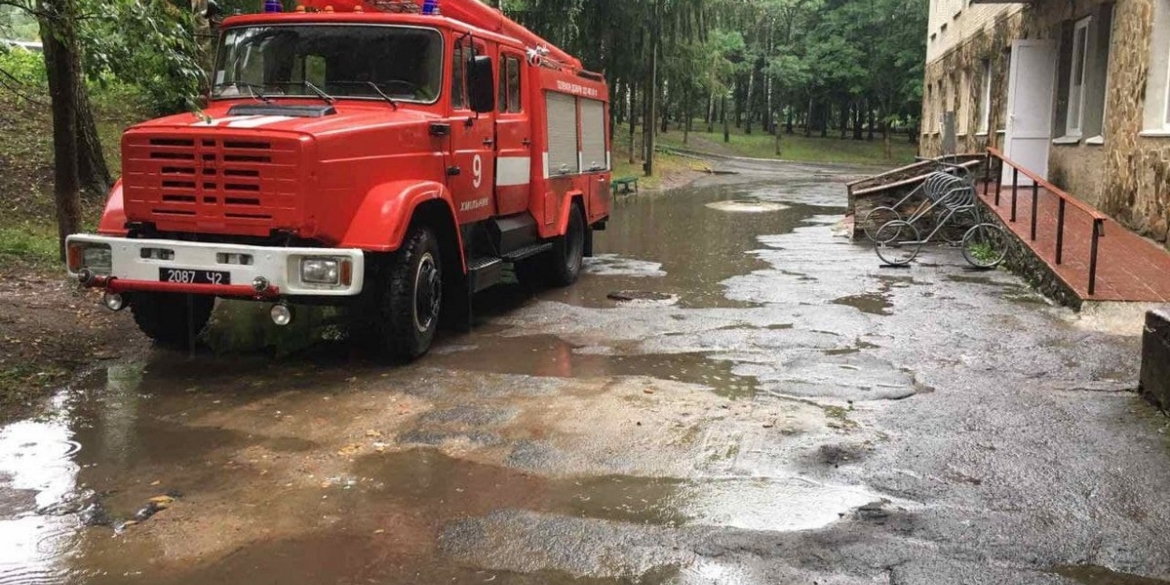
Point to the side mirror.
(481, 84)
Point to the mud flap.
(458, 313)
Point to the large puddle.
(79, 488)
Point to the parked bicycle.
(945, 177)
(948, 194)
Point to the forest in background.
(735, 71)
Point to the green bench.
(625, 185)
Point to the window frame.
(1074, 125)
(504, 89)
(985, 100)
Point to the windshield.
(342, 60)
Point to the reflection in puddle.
(873, 303)
(452, 486)
(736, 206)
(38, 479)
(615, 265)
(546, 355)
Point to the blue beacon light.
(273, 6)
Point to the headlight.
(320, 271)
(97, 258)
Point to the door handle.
(526, 142)
(488, 141)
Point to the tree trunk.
(63, 65)
(711, 114)
(788, 121)
(93, 173)
(748, 102)
(808, 118)
(652, 91)
(633, 123)
(844, 119)
(825, 111)
(869, 109)
(858, 126)
(687, 125)
(886, 150)
(726, 120)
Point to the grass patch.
(31, 243)
(21, 383)
(796, 147)
(665, 165)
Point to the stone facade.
(1125, 173)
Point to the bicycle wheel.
(876, 218)
(959, 223)
(985, 245)
(897, 243)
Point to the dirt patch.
(49, 332)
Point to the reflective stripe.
(217, 122)
(258, 122)
(513, 170)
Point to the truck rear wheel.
(411, 297)
(163, 316)
(565, 259)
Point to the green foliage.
(149, 44)
(21, 67)
(18, 25)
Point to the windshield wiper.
(256, 91)
(320, 93)
(388, 99)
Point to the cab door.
(513, 134)
(472, 162)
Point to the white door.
(1029, 124)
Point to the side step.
(528, 251)
(483, 273)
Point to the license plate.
(185, 276)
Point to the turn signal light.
(74, 255)
(346, 272)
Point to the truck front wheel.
(163, 317)
(411, 297)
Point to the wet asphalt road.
(778, 410)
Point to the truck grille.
(244, 185)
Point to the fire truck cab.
(360, 153)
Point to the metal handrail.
(1064, 199)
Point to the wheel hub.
(428, 295)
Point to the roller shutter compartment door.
(593, 135)
(562, 135)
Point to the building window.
(928, 125)
(1076, 79)
(1157, 110)
(985, 99)
(964, 102)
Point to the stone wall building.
(1095, 81)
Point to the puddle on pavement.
(873, 303)
(690, 247)
(747, 206)
(37, 476)
(1094, 575)
(452, 487)
(551, 356)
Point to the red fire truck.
(364, 153)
